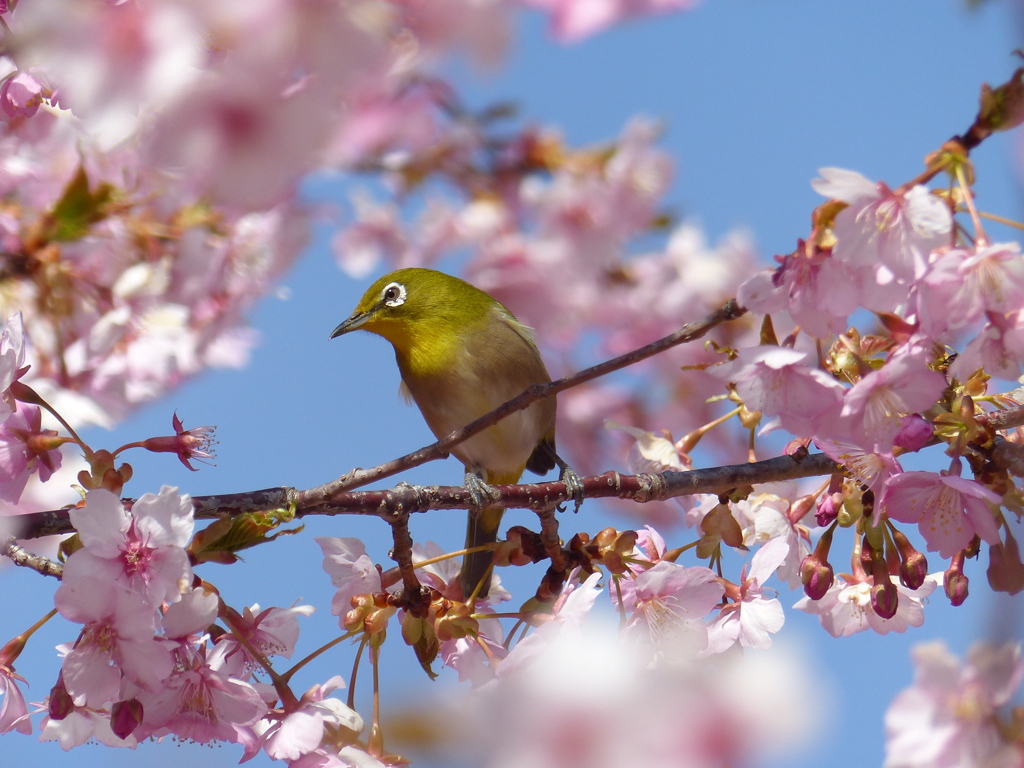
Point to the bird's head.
(413, 306)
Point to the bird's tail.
(482, 528)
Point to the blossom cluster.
(150, 659)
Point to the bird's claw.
(573, 485)
(480, 492)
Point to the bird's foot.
(480, 492)
(573, 484)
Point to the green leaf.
(78, 208)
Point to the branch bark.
(409, 499)
(21, 556)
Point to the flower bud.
(1005, 570)
(913, 564)
(913, 570)
(125, 717)
(884, 597)
(828, 508)
(816, 575)
(914, 433)
(60, 704)
(955, 582)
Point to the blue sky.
(755, 97)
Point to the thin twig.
(439, 450)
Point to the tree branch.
(408, 499)
(21, 556)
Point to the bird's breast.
(471, 384)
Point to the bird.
(461, 354)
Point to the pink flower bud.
(20, 95)
(60, 705)
(956, 587)
(913, 564)
(913, 570)
(884, 598)
(914, 434)
(125, 717)
(955, 582)
(816, 575)
(828, 508)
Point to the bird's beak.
(357, 319)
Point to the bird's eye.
(394, 294)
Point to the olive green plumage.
(461, 354)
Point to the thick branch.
(439, 450)
(407, 499)
(21, 556)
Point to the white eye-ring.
(393, 294)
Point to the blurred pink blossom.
(574, 20)
(20, 95)
(948, 718)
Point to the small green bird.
(461, 354)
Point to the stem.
(690, 441)
(673, 554)
(355, 672)
(1001, 220)
(231, 617)
(287, 676)
(26, 394)
(982, 238)
(512, 632)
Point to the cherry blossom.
(566, 620)
(20, 95)
(989, 278)
(753, 617)
(871, 468)
(26, 449)
(81, 726)
(202, 704)
(948, 509)
(557, 712)
(272, 632)
(883, 228)
(351, 571)
(876, 404)
(12, 360)
(671, 603)
(846, 608)
(117, 638)
(948, 717)
(779, 382)
(190, 444)
(998, 349)
(13, 710)
(573, 20)
(141, 549)
(302, 731)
